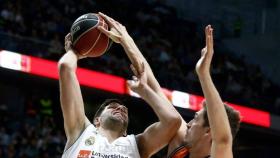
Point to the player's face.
(116, 111)
(195, 130)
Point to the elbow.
(65, 66)
(178, 120)
(68, 62)
(225, 139)
(175, 121)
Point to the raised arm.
(156, 136)
(119, 34)
(70, 95)
(218, 119)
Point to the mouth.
(188, 131)
(119, 113)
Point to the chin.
(188, 145)
(187, 142)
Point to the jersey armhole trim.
(65, 150)
(175, 151)
(133, 138)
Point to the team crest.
(90, 141)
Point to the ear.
(124, 133)
(96, 122)
(208, 134)
(208, 130)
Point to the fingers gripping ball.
(86, 38)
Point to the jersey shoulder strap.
(180, 152)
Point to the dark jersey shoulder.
(180, 152)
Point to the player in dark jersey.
(212, 130)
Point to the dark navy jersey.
(181, 152)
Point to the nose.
(189, 124)
(122, 108)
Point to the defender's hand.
(203, 65)
(117, 31)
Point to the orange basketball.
(86, 38)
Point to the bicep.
(178, 139)
(71, 103)
(221, 150)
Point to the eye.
(195, 116)
(112, 106)
(126, 109)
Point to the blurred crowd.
(29, 137)
(170, 44)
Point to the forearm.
(160, 104)
(163, 109)
(132, 51)
(157, 135)
(136, 58)
(217, 116)
(70, 96)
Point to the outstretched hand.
(117, 31)
(204, 63)
(67, 42)
(139, 80)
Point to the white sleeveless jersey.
(91, 144)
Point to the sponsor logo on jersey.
(90, 141)
(104, 155)
(84, 154)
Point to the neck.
(199, 156)
(199, 153)
(110, 134)
(175, 143)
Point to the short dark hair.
(104, 104)
(233, 117)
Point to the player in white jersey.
(106, 137)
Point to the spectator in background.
(55, 48)
(277, 104)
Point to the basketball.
(87, 40)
